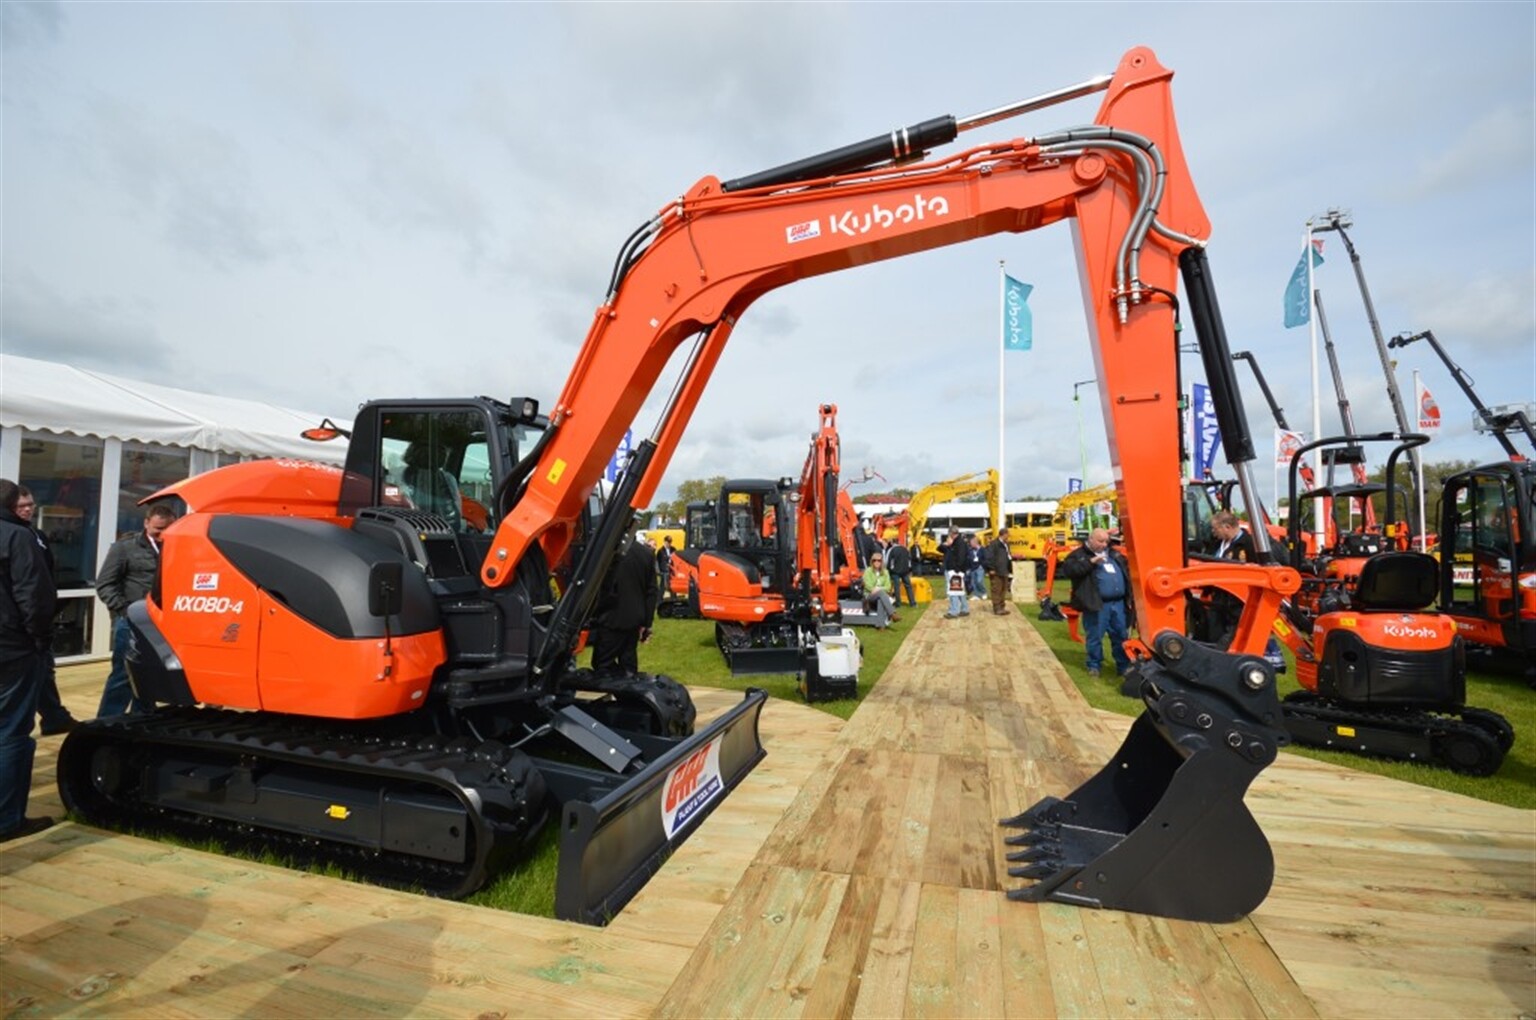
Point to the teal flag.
(1018, 325)
(1298, 303)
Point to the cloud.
(1496, 146)
(100, 332)
(196, 181)
(27, 23)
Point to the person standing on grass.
(1101, 583)
(899, 562)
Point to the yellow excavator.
(909, 527)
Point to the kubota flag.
(1018, 324)
(1298, 299)
(1429, 411)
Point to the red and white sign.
(1286, 445)
(1429, 411)
(690, 788)
(205, 582)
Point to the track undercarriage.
(1472, 741)
(437, 812)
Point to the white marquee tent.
(60, 398)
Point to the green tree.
(691, 491)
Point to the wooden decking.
(859, 871)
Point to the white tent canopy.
(45, 395)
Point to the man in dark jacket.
(52, 717)
(1101, 586)
(27, 600)
(899, 562)
(998, 560)
(125, 577)
(626, 611)
(956, 562)
(1229, 542)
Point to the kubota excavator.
(375, 684)
(1381, 674)
(769, 562)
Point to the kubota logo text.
(1396, 630)
(854, 222)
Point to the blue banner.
(1207, 433)
(1298, 302)
(1080, 515)
(620, 457)
(1018, 324)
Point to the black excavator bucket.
(1162, 829)
(1049, 610)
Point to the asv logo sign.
(854, 222)
(690, 787)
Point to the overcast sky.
(320, 204)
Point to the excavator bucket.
(1162, 829)
(613, 840)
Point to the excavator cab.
(1488, 558)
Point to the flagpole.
(1418, 400)
(1320, 528)
(1002, 343)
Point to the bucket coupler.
(1162, 829)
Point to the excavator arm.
(817, 517)
(1162, 829)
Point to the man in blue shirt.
(1101, 581)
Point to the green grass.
(1513, 785)
(685, 650)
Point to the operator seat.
(435, 491)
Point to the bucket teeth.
(1039, 853)
(1050, 811)
(1032, 837)
(1036, 871)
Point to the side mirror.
(386, 589)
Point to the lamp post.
(1082, 450)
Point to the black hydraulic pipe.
(899, 146)
(1274, 405)
(1216, 354)
(583, 586)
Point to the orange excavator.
(383, 687)
(1381, 673)
(769, 562)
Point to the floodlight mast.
(1337, 220)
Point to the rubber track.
(487, 778)
(1411, 722)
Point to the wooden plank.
(931, 980)
(887, 968)
(979, 943)
(835, 984)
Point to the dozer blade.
(611, 844)
(1162, 829)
